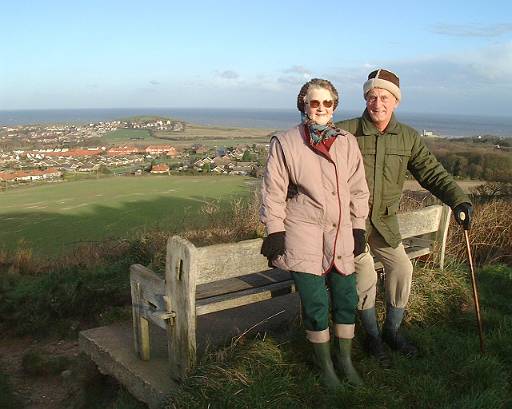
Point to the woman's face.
(319, 105)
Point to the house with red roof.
(160, 168)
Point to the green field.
(52, 218)
(124, 136)
(206, 135)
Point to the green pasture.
(124, 136)
(206, 135)
(52, 218)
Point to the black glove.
(462, 213)
(359, 241)
(273, 246)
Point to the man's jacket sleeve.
(431, 174)
(274, 189)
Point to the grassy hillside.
(276, 371)
(51, 218)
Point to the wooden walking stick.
(473, 283)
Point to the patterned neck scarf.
(319, 133)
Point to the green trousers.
(315, 292)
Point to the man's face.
(319, 105)
(380, 104)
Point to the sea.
(446, 125)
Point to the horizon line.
(243, 109)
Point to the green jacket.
(386, 158)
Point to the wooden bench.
(207, 279)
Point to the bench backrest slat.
(420, 222)
(229, 260)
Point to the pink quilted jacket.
(331, 199)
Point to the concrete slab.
(111, 347)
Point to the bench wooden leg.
(140, 324)
(144, 339)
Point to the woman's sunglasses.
(314, 103)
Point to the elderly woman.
(314, 207)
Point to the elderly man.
(389, 149)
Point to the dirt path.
(37, 392)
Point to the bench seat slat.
(230, 285)
(244, 297)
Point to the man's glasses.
(314, 103)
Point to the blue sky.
(451, 56)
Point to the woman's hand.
(359, 241)
(273, 246)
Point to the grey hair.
(316, 83)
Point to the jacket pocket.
(300, 208)
(396, 165)
(392, 208)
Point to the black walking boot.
(375, 347)
(391, 334)
(373, 342)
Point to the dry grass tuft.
(491, 229)
(416, 199)
(490, 234)
(237, 222)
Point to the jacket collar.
(369, 128)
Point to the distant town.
(51, 153)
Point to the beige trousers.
(397, 268)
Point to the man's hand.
(273, 246)
(462, 213)
(359, 241)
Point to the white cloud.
(228, 74)
(472, 82)
(293, 80)
(472, 30)
(297, 69)
(489, 67)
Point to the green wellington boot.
(343, 348)
(322, 358)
